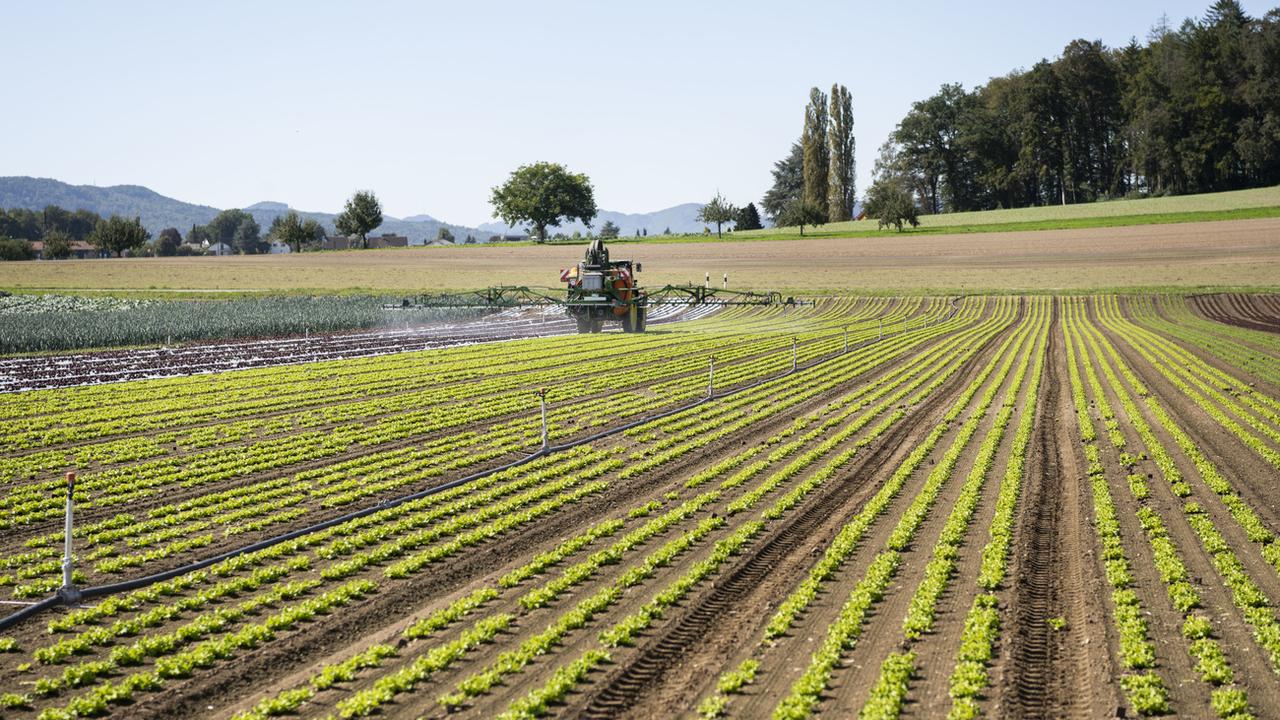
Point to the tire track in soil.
(936, 650)
(626, 691)
(1050, 673)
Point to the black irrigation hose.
(45, 604)
(76, 595)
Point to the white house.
(218, 248)
(280, 248)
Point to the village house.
(80, 250)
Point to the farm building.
(385, 240)
(80, 250)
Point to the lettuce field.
(884, 507)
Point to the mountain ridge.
(158, 211)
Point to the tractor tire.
(641, 313)
(627, 325)
(584, 325)
(597, 325)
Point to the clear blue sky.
(430, 104)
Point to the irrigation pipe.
(75, 596)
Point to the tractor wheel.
(641, 313)
(584, 324)
(597, 325)
(631, 321)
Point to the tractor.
(600, 289)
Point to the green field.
(1236, 205)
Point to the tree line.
(1194, 109)
(57, 228)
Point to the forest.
(1194, 109)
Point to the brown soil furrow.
(1248, 661)
(782, 555)
(687, 653)
(399, 599)
(936, 651)
(1247, 472)
(1051, 673)
(1246, 311)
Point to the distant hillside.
(159, 212)
(680, 219)
(418, 228)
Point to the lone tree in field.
(360, 216)
(544, 194)
(718, 211)
(801, 213)
(293, 231)
(116, 234)
(891, 204)
(608, 230)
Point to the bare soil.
(1256, 312)
(1237, 253)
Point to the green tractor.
(601, 289)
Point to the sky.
(431, 104)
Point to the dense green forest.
(1193, 109)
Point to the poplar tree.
(842, 165)
(817, 155)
